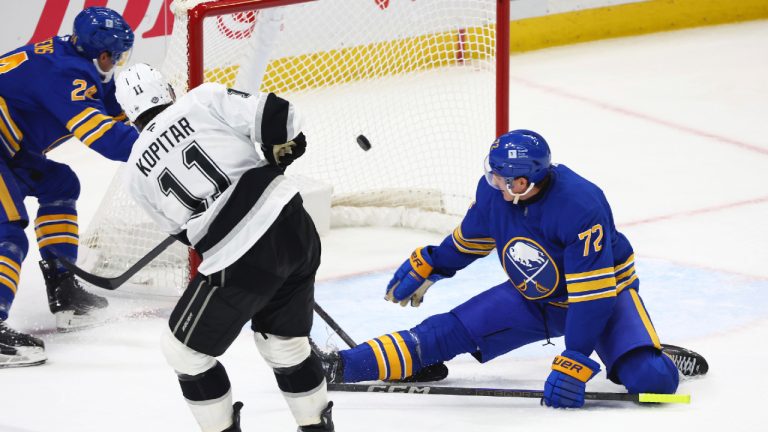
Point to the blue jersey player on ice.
(51, 91)
(570, 273)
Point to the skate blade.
(68, 321)
(25, 356)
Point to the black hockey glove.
(282, 155)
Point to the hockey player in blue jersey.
(51, 91)
(570, 273)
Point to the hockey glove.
(567, 382)
(282, 155)
(413, 279)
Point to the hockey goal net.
(420, 79)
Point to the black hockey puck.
(363, 142)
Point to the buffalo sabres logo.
(530, 268)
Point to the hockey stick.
(364, 144)
(115, 282)
(334, 326)
(513, 393)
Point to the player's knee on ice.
(646, 370)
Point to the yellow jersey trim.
(590, 297)
(7, 202)
(96, 135)
(645, 318)
(13, 135)
(89, 125)
(580, 287)
(607, 271)
(78, 118)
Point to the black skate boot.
(431, 373)
(325, 425)
(235, 418)
(74, 307)
(19, 349)
(689, 363)
(333, 366)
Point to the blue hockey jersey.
(48, 93)
(560, 247)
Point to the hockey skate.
(325, 425)
(235, 418)
(74, 307)
(19, 349)
(333, 366)
(689, 363)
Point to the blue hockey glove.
(567, 382)
(413, 279)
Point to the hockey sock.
(13, 248)
(57, 232)
(303, 387)
(10, 268)
(391, 356)
(209, 397)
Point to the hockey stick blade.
(495, 392)
(115, 282)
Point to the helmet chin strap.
(517, 196)
(105, 76)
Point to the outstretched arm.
(427, 265)
(78, 102)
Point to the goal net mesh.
(417, 78)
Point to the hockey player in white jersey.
(196, 171)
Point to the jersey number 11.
(194, 157)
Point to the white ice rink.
(672, 126)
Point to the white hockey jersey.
(186, 168)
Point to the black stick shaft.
(115, 282)
(470, 391)
(334, 326)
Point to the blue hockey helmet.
(519, 153)
(99, 29)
